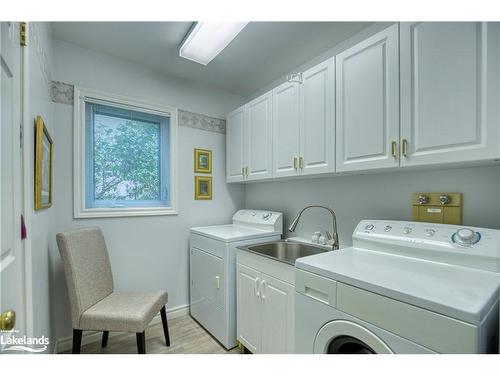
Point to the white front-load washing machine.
(403, 287)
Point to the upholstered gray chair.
(95, 306)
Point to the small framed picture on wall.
(44, 152)
(202, 187)
(202, 161)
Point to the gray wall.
(377, 196)
(41, 223)
(146, 253)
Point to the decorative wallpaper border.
(202, 122)
(63, 93)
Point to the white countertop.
(463, 293)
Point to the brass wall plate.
(442, 207)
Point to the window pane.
(125, 157)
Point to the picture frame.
(202, 187)
(44, 154)
(202, 160)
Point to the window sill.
(124, 212)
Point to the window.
(125, 157)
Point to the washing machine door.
(344, 337)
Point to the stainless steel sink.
(285, 251)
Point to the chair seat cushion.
(123, 311)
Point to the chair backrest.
(87, 269)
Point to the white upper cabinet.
(258, 138)
(449, 92)
(317, 121)
(235, 133)
(414, 94)
(286, 129)
(367, 78)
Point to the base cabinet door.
(248, 308)
(449, 92)
(367, 85)
(317, 121)
(258, 138)
(277, 316)
(235, 135)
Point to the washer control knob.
(466, 236)
(369, 227)
(266, 215)
(406, 230)
(430, 232)
(387, 228)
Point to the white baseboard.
(66, 343)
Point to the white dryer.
(213, 268)
(403, 287)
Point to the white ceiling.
(260, 54)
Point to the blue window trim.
(165, 155)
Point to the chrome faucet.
(333, 238)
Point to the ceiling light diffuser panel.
(207, 39)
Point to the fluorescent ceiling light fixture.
(207, 39)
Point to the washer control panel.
(418, 232)
(453, 244)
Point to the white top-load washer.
(403, 287)
(213, 268)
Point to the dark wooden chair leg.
(104, 342)
(163, 313)
(141, 342)
(77, 341)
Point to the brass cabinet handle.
(394, 146)
(301, 162)
(404, 147)
(246, 169)
(243, 171)
(295, 163)
(7, 320)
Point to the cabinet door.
(368, 103)
(258, 137)
(449, 91)
(235, 126)
(278, 316)
(248, 310)
(286, 130)
(317, 122)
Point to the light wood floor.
(186, 337)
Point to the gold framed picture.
(44, 153)
(202, 187)
(202, 161)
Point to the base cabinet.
(248, 308)
(277, 316)
(265, 305)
